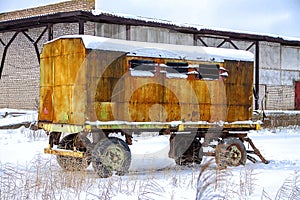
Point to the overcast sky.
(279, 17)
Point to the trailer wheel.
(193, 154)
(230, 152)
(81, 143)
(110, 155)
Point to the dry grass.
(208, 182)
(43, 179)
(290, 188)
(225, 184)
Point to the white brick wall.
(20, 78)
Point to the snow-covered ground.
(27, 173)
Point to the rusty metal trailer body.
(98, 85)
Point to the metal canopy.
(76, 16)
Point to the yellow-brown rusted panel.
(67, 67)
(46, 73)
(164, 99)
(62, 103)
(189, 112)
(239, 90)
(205, 112)
(211, 99)
(200, 89)
(45, 104)
(61, 92)
(76, 68)
(72, 46)
(78, 89)
(62, 68)
(64, 82)
(121, 112)
(145, 98)
(173, 110)
(55, 48)
(46, 83)
(97, 69)
(90, 85)
(104, 111)
(105, 89)
(180, 98)
(211, 96)
(46, 86)
(139, 112)
(77, 114)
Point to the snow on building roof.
(187, 25)
(41, 19)
(161, 50)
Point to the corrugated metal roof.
(187, 25)
(124, 19)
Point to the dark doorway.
(297, 95)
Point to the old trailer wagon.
(91, 87)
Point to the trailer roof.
(158, 50)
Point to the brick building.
(23, 32)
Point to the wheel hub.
(234, 155)
(113, 157)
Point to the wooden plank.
(62, 152)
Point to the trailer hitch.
(255, 151)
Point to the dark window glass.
(209, 71)
(177, 67)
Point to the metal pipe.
(256, 75)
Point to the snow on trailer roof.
(161, 50)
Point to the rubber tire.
(112, 146)
(230, 152)
(197, 154)
(68, 143)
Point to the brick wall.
(280, 97)
(20, 78)
(72, 5)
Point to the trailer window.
(177, 67)
(139, 63)
(142, 67)
(209, 71)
